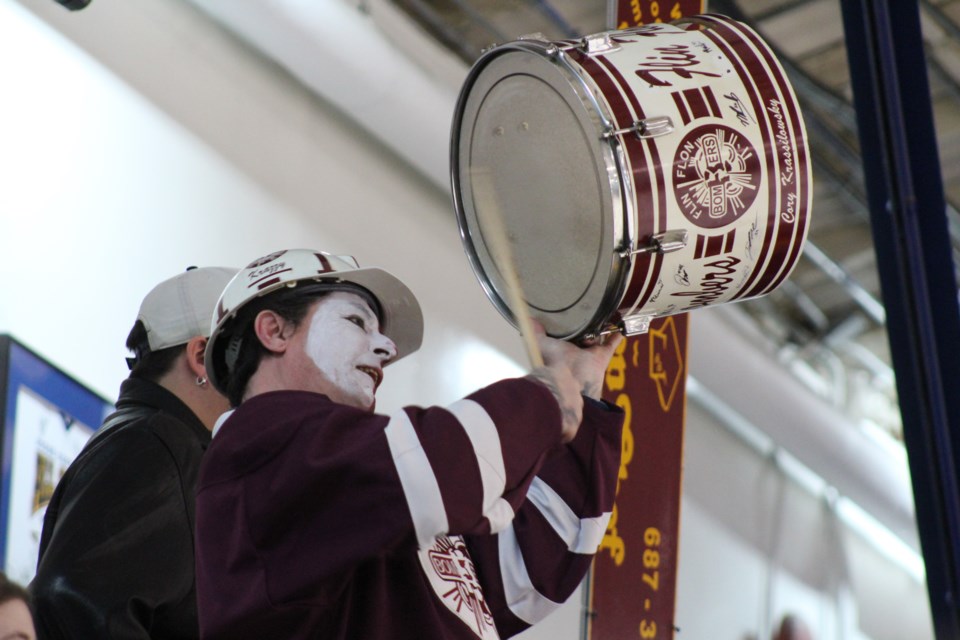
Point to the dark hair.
(146, 364)
(290, 304)
(10, 590)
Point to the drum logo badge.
(716, 175)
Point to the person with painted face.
(319, 518)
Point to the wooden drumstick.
(488, 211)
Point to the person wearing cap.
(116, 551)
(319, 518)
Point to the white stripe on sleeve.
(219, 423)
(523, 599)
(481, 430)
(416, 476)
(582, 535)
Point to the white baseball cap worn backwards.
(180, 308)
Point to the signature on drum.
(784, 142)
(739, 109)
(715, 282)
(752, 235)
(676, 59)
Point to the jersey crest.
(451, 573)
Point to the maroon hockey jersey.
(318, 520)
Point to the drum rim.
(621, 200)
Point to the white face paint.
(345, 344)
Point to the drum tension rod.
(646, 128)
(666, 242)
(593, 44)
(628, 326)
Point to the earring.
(201, 381)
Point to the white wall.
(194, 150)
(104, 194)
(760, 540)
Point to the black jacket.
(116, 552)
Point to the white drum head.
(530, 124)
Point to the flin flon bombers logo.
(453, 577)
(716, 175)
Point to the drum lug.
(632, 325)
(597, 44)
(646, 128)
(665, 242)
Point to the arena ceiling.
(827, 318)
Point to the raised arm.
(572, 372)
(531, 567)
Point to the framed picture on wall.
(47, 418)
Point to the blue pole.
(908, 220)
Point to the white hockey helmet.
(400, 317)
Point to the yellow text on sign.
(616, 380)
(637, 17)
(651, 576)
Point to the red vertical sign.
(631, 13)
(633, 582)
(634, 578)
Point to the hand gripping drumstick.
(485, 201)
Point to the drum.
(635, 174)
